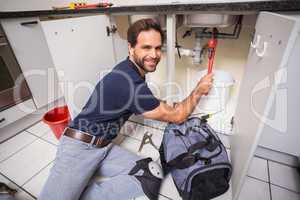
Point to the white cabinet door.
(266, 60)
(120, 45)
(82, 53)
(29, 44)
(281, 130)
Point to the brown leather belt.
(96, 141)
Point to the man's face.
(147, 51)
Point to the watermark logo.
(277, 100)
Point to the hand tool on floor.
(204, 113)
(147, 139)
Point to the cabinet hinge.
(110, 30)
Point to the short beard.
(140, 63)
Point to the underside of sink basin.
(209, 20)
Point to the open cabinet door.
(29, 45)
(265, 69)
(82, 53)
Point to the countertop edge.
(234, 7)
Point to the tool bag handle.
(188, 159)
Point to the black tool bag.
(196, 159)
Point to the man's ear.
(130, 49)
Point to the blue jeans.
(76, 165)
(6, 197)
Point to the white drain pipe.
(195, 53)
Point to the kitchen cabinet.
(280, 130)
(16, 112)
(269, 98)
(270, 73)
(28, 42)
(82, 52)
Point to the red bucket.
(57, 119)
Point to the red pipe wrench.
(211, 45)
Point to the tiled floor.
(26, 159)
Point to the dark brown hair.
(143, 25)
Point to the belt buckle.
(99, 142)
(92, 141)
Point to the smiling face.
(147, 51)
